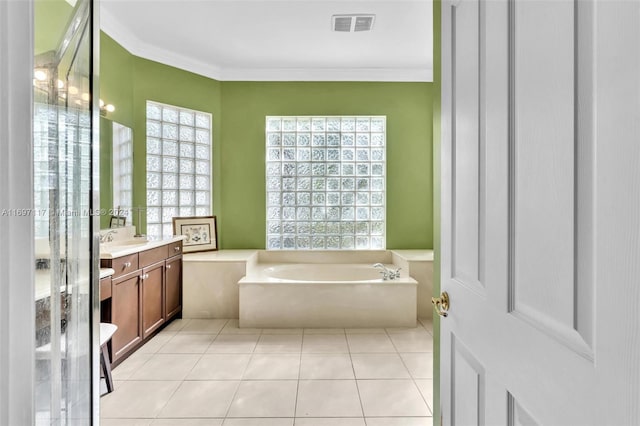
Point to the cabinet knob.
(127, 265)
(168, 266)
(176, 248)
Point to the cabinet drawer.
(175, 248)
(155, 255)
(105, 288)
(125, 264)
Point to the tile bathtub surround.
(210, 372)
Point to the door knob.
(441, 304)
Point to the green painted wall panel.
(408, 107)
(50, 18)
(239, 110)
(165, 84)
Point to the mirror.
(116, 174)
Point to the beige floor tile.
(324, 331)
(156, 342)
(412, 341)
(220, 367)
(416, 328)
(234, 343)
(129, 366)
(328, 398)
(232, 327)
(137, 399)
(200, 399)
(325, 343)
(125, 422)
(426, 389)
(177, 324)
(323, 421)
(279, 343)
(326, 366)
(187, 344)
(166, 367)
(366, 343)
(259, 422)
(419, 364)
(282, 331)
(427, 323)
(399, 421)
(379, 366)
(392, 398)
(187, 422)
(264, 398)
(365, 331)
(273, 367)
(206, 326)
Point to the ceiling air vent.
(352, 23)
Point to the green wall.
(239, 110)
(169, 85)
(50, 22)
(127, 82)
(409, 176)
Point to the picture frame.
(117, 221)
(200, 232)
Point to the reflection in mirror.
(122, 169)
(116, 172)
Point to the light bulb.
(110, 108)
(101, 103)
(40, 75)
(60, 84)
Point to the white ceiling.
(272, 40)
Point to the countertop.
(106, 272)
(120, 248)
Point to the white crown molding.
(110, 25)
(328, 74)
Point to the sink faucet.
(107, 237)
(387, 274)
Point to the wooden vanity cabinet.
(173, 287)
(126, 309)
(152, 298)
(146, 293)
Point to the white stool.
(106, 333)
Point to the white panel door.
(541, 212)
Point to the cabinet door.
(152, 298)
(125, 313)
(173, 286)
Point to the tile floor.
(210, 372)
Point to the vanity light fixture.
(105, 108)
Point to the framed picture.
(117, 221)
(201, 233)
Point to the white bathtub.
(324, 289)
(325, 273)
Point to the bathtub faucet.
(388, 274)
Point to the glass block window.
(122, 167)
(178, 166)
(326, 182)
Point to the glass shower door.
(64, 226)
